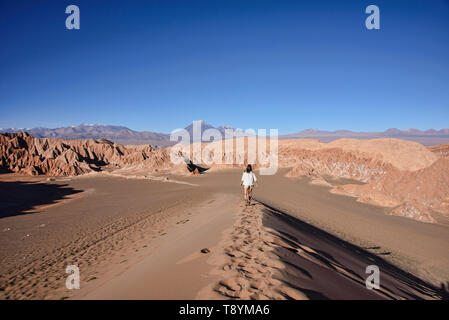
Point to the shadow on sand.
(20, 197)
(335, 263)
(192, 167)
(4, 170)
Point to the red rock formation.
(22, 153)
(440, 149)
(402, 175)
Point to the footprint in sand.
(250, 270)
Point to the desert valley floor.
(142, 239)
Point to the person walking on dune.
(248, 181)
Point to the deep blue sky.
(291, 65)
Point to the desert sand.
(142, 239)
(139, 227)
(110, 215)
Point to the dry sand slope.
(141, 239)
(270, 255)
(113, 223)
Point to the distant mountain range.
(428, 137)
(126, 136)
(118, 134)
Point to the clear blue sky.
(291, 65)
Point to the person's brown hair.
(249, 168)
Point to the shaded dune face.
(408, 178)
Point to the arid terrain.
(135, 224)
(408, 178)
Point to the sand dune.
(269, 255)
(143, 239)
(112, 225)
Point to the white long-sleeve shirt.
(248, 179)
